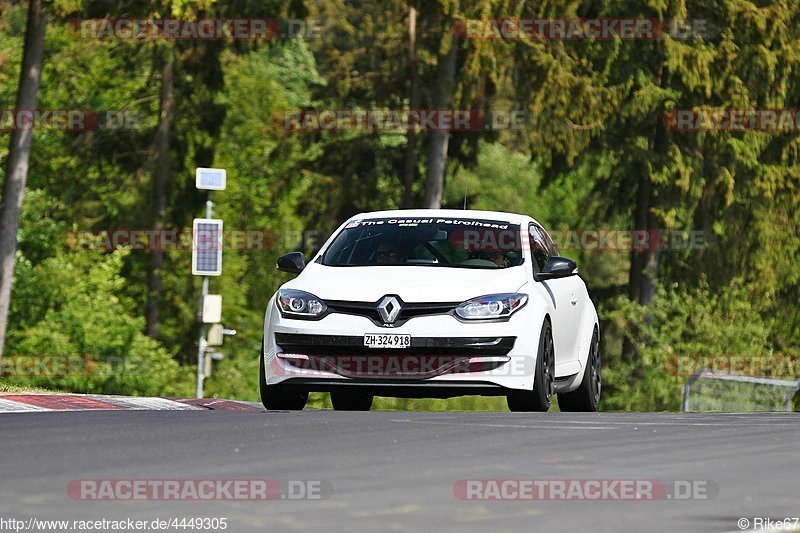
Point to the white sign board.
(212, 308)
(210, 178)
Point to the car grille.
(408, 310)
(426, 357)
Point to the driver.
(498, 258)
(387, 254)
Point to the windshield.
(443, 242)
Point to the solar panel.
(207, 247)
(210, 178)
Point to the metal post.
(686, 386)
(788, 399)
(685, 402)
(201, 341)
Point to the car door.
(565, 294)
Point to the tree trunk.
(160, 182)
(439, 139)
(411, 136)
(639, 258)
(19, 158)
(643, 274)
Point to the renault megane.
(432, 303)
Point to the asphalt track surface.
(395, 471)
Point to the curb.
(37, 403)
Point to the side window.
(551, 247)
(538, 245)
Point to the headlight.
(491, 306)
(299, 304)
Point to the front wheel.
(587, 396)
(275, 397)
(540, 398)
(351, 401)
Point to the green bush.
(67, 309)
(679, 323)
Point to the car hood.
(410, 283)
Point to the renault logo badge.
(388, 308)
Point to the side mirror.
(557, 267)
(293, 263)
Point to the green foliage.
(70, 306)
(681, 324)
(595, 137)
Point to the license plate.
(383, 340)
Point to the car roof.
(513, 218)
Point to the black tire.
(540, 398)
(351, 401)
(586, 398)
(275, 397)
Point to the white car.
(432, 303)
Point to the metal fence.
(707, 391)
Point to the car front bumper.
(447, 356)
